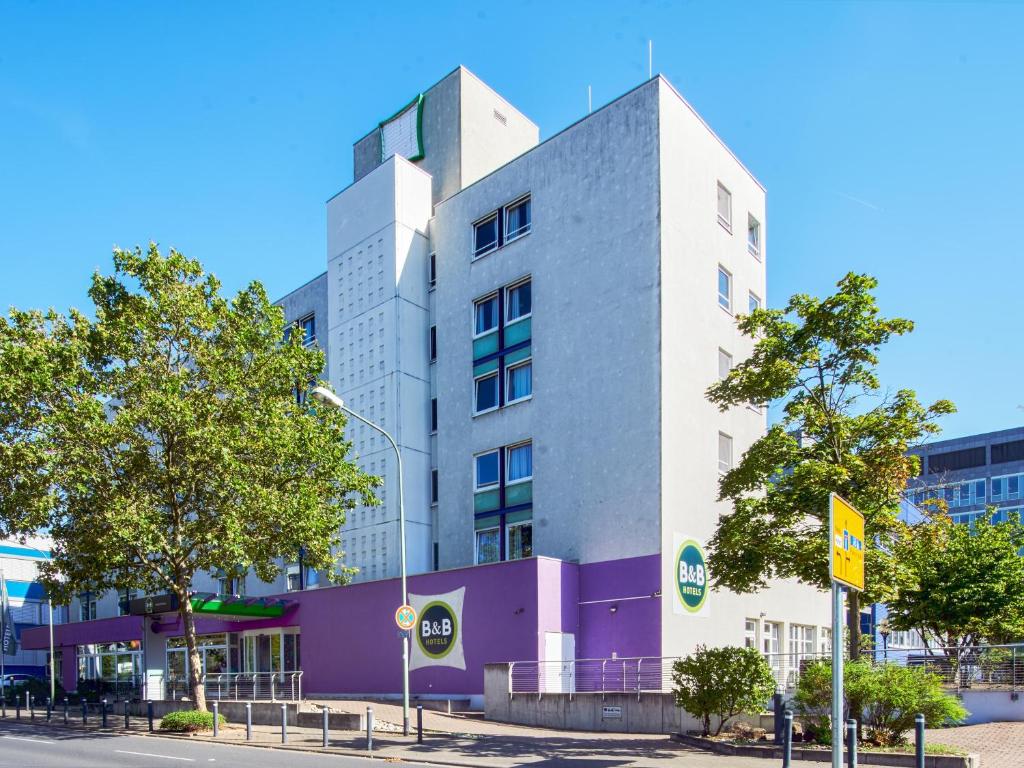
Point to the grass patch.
(188, 721)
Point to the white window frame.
(476, 479)
(727, 306)
(725, 222)
(508, 539)
(522, 231)
(750, 633)
(497, 392)
(732, 460)
(495, 215)
(293, 570)
(497, 315)
(508, 304)
(753, 225)
(508, 381)
(508, 458)
(722, 357)
(476, 544)
(751, 299)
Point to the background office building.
(536, 324)
(19, 563)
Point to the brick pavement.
(1000, 745)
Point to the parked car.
(14, 681)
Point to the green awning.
(206, 604)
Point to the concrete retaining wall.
(263, 712)
(992, 706)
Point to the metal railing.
(989, 667)
(233, 686)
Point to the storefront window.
(110, 662)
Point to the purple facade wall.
(350, 643)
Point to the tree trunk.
(853, 622)
(195, 665)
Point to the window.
(724, 288)
(801, 643)
(724, 364)
(724, 207)
(488, 546)
(486, 469)
(753, 236)
(228, 586)
(520, 382)
(485, 314)
(308, 326)
(724, 452)
(753, 302)
(433, 343)
(519, 541)
(826, 640)
(517, 219)
(433, 486)
(486, 393)
(518, 301)
(520, 463)
(750, 633)
(125, 601)
(87, 606)
(485, 237)
(770, 638)
(433, 414)
(432, 271)
(294, 578)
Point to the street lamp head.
(324, 396)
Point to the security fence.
(232, 686)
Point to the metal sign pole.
(837, 676)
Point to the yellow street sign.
(846, 525)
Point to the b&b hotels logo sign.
(438, 631)
(690, 577)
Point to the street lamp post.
(326, 397)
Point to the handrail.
(237, 686)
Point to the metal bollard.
(127, 721)
(419, 723)
(369, 729)
(3, 702)
(919, 741)
(30, 705)
(284, 723)
(216, 719)
(787, 739)
(49, 709)
(17, 707)
(248, 721)
(65, 710)
(851, 743)
(327, 721)
(778, 708)
(85, 713)
(103, 712)
(149, 714)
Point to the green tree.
(724, 682)
(960, 585)
(838, 432)
(165, 438)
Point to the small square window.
(520, 382)
(485, 235)
(753, 302)
(486, 469)
(517, 219)
(724, 207)
(753, 236)
(724, 452)
(485, 315)
(724, 288)
(724, 364)
(488, 543)
(519, 541)
(518, 301)
(486, 398)
(520, 463)
(433, 343)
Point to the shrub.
(188, 721)
(722, 681)
(884, 698)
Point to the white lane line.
(34, 741)
(150, 754)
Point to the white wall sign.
(437, 636)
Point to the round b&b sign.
(691, 575)
(437, 629)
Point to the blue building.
(19, 566)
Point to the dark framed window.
(485, 235)
(432, 271)
(433, 343)
(433, 486)
(433, 414)
(485, 393)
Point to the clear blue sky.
(889, 137)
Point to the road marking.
(150, 754)
(34, 741)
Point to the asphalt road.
(27, 746)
